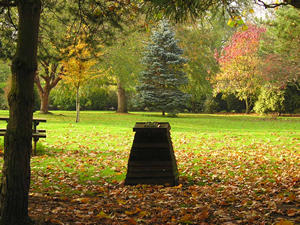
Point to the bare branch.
(11, 20)
(269, 5)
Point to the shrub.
(269, 100)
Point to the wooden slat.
(153, 168)
(150, 163)
(41, 131)
(33, 120)
(38, 131)
(39, 135)
(149, 175)
(150, 145)
(150, 169)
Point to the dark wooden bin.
(152, 159)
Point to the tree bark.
(17, 142)
(122, 99)
(77, 104)
(247, 105)
(45, 102)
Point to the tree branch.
(11, 20)
(38, 83)
(54, 83)
(269, 5)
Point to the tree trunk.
(122, 99)
(247, 105)
(45, 102)
(17, 142)
(77, 104)
(44, 95)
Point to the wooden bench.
(36, 133)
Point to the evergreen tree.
(160, 82)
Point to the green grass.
(109, 136)
(217, 151)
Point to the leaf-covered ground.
(233, 170)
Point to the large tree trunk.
(16, 169)
(122, 99)
(77, 104)
(45, 102)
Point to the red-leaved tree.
(239, 65)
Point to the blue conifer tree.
(160, 82)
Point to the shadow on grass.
(43, 150)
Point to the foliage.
(280, 48)
(239, 66)
(186, 10)
(199, 40)
(233, 168)
(270, 99)
(8, 32)
(122, 61)
(93, 97)
(3, 101)
(63, 98)
(212, 105)
(4, 71)
(160, 82)
(78, 67)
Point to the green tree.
(160, 82)
(52, 37)
(121, 59)
(280, 48)
(200, 40)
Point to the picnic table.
(36, 133)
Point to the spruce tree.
(160, 82)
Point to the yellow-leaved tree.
(79, 68)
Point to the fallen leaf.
(103, 215)
(284, 222)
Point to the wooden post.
(152, 159)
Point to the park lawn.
(242, 169)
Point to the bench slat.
(40, 135)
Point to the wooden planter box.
(152, 159)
